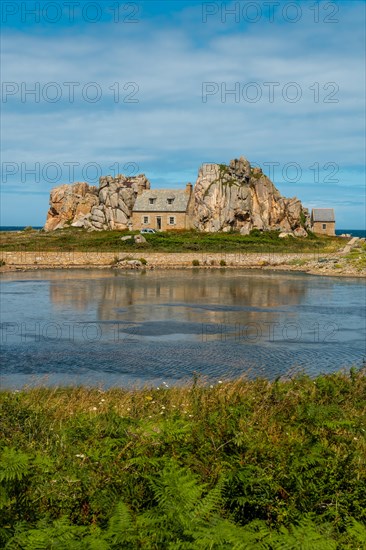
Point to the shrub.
(256, 232)
(222, 263)
(241, 464)
(195, 263)
(143, 261)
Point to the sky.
(92, 88)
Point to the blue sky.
(144, 87)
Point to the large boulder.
(238, 196)
(109, 207)
(70, 204)
(117, 196)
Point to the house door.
(158, 222)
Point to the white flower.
(220, 382)
(94, 409)
(80, 456)
(163, 407)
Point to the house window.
(151, 201)
(170, 201)
(324, 225)
(171, 220)
(146, 219)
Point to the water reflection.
(112, 295)
(114, 327)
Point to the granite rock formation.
(116, 200)
(226, 197)
(109, 207)
(70, 204)
(241, 197)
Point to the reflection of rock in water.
(203, 297)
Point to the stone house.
(323, 221)
(163, 209)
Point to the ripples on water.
(114, 328)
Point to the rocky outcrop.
(116, 200)
(109, 207)
(70, 204)
(226, 197)
(242, 198)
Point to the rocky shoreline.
(311, 263)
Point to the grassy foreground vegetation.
(236, 465)
(75, 239)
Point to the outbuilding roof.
(157, 201)
(323, 215)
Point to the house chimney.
(189, 188)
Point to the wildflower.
(102, 400)
(190, 415)
(94, 409)
(148, 398)
(211, 386)
(80, 456)
(162, 407)
(128, 409)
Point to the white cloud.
(170, 128)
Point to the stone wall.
(182, 220)
(329, 229)
(44, 259)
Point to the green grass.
(74, 239)
(357, 257)
(236, 465)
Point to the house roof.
(323, 215)
(179, 196)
